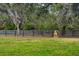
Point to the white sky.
(39, 1)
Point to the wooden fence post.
(23, 33)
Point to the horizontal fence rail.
(28, 32)
(71, 33)
(46, 33)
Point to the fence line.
(49, 33)
(27, 32)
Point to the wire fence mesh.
(46, 33)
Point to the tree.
(64, 16)
(12, 12)
(16, 19)
(39, 16)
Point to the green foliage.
(56, 7)
(41, 16)
(9, 26)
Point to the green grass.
(38, 47)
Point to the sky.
(39, 1)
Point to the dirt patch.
(38, 37)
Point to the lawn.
(39, 47)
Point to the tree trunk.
(14, 16)
(18, 30)
(63, 30)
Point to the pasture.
(34, 46)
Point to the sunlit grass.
(38, 47)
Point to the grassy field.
(39, 46)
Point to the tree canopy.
(39, 16)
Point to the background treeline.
(39, 16)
